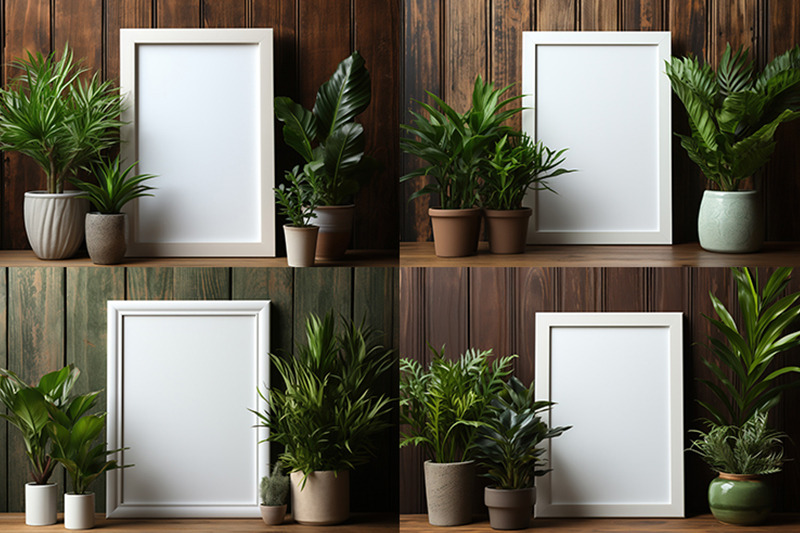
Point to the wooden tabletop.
(421, 254)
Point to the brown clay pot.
(508, 230)
(455, 231)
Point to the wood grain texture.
(123, 14)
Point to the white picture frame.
(617, 379)
(181, 378)
(606, 97)
(200, 116)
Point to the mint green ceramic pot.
(743, 500)
(731, 221)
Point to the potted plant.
(106, 226)
(443, 406)
(328, 416)
(508, 447)
(298, 203)
(329, 137)
(515, 166)
(738, 420)
(274, 490)
(26, 407)
(63, 123)
(733, 115)
(454, 146)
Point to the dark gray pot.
(105, 238)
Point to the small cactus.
(275, 488)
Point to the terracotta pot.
(335, 229)
(79, 511)
(509, 509)
(105, 237)
(272, 515)
(738, 499)
(41, 503)
(508, 230)
(54, 223)
(300, 245)
(324, 500)
(449, 488)
(731, 221)
(455, 231)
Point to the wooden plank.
(179, 14)
(204, 283)
(88, 290)
(225, 13)
(377, 36)
(536, 291)
(81, 25)
(491, 310)
(623, 289)
(642, 15)
(446, 314)
(465, 50)
(579, 289)
(123, 14)
(4, 488)
(27, 28)
(35, 347)
(509, 18)
(599, 15)
(319, 291)
(555, 15)
(151, 283)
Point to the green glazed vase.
(743, 500)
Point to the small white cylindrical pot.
(449, 488)
(41, 502)
(335, 229)
(273, 515)
(105, 237)
(54, 223)
(324, 500)
(731, 221)
(300, 245)
(509, 509)
(79, 511)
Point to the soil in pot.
(449, 490)
(738, 499)
(105, 237)
(455, 231)
(324, 500)
(335, 229)
(507, 230)
(41, 503)
(300, 245)
(509, 509)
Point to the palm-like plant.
(454, 145)
(328, 135)
(734, 113)
(445, 405)
(115, 187)
(63, 123)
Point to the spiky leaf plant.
(274, 489)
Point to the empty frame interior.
(605, 97)
(181, 378)
(612, 374)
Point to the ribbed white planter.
(731, 221)
(54, 223)
(335, 229)
(449, 490)
(324, 500)
(79, 511)
(300, 245)
(41, 502)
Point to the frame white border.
(117, 311)
(545, 322)
(262, 37)
(531, 40)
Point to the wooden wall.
(449, 42)
(311, 37)
(52, 316)
(495, 308)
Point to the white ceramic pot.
(54, 223)
(300, 245)
(105, 237)
(324, 500)
(41, 503)
(449, 490)
(731, 221)
(273, 515)
(79, 511)
(335, 229)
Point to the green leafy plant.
(751, 352)
(508, 442)
(115, 187)
(28, 412)
(751, 448)
(455, 145)
(328, 416)
(515, 166)
(328, 134)
(445, 405)
(734, 113)
(300, 198)
(274, 488)
(60, 121)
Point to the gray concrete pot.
(105, 237)
(731, 221)
(324, 500)
(335, 230)
(509, 509)
(54, 223)
(448, 488)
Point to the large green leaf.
(346, 94)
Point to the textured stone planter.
(731, 221)
(79, 511)
(41, 502)
(508, 230)
(448, 488)
(739, 499)
(300, 245)
(455, 231)
(324, 500)
(106, 237)
(509, 509)
(335, 229)
(54, 223)
(272, 515)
